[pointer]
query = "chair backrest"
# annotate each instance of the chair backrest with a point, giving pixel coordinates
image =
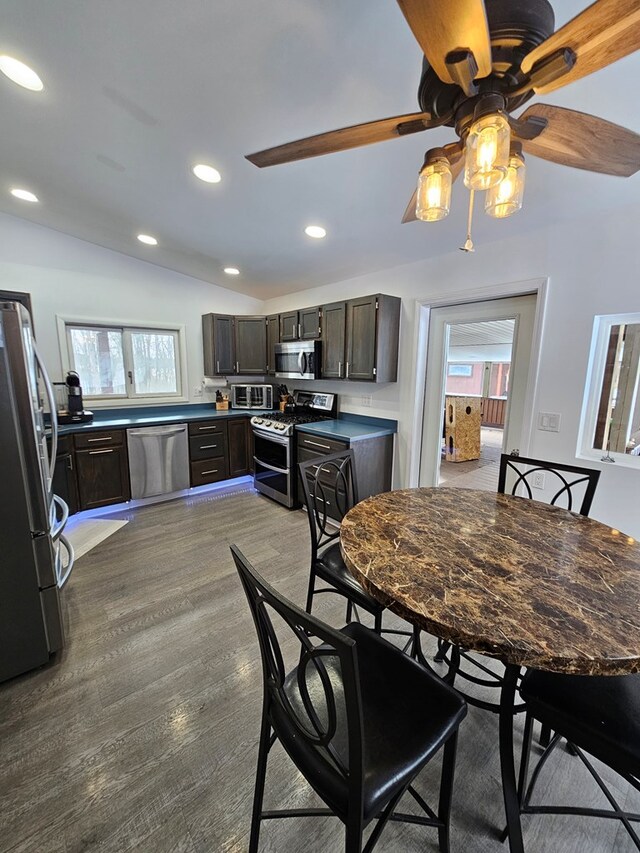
(330, 490)
(575, 486)
(318, 702)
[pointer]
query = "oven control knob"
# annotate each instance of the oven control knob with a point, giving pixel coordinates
(258, 421)
(280, 426)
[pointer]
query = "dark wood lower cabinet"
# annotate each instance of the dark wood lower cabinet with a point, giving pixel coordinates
(239, 443)
(103, 476)
(65, 484)
(373, 463)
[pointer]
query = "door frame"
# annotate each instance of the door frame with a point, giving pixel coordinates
(539, 287)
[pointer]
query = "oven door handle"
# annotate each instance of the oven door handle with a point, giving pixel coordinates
(270, 436)
(270, 467)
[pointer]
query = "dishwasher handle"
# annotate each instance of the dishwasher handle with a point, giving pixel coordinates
(146, 432)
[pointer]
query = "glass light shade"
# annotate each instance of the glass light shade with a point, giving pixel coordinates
(487, 152)
(434, 191)
(506, 197)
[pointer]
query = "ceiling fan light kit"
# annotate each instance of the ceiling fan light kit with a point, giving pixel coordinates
(483, 59)
(506, 197)
(433, 198)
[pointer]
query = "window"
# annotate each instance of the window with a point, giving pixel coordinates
(459, 369)
(611, 415)
(125, 362)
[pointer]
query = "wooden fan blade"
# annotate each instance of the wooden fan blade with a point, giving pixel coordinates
(454, 152)
(441, 27)
(603, 33)
(583, 141)
(342, 139)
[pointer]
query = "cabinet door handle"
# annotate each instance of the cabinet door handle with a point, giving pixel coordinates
(237, 367)
(96, 452)
(211, 471)
(70, 462)
(217, 367)
(299, 330)
(346, 375)
(106, 438)
(207, 446)
(207, 427)
(339, 370)
(316, 444)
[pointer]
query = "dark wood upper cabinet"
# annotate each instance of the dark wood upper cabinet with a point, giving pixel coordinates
(334, 325)
(251, 345)
(372, 336)
(303, 325)
(289, 326)
(273, 337)
(309, 324)
(219, 345)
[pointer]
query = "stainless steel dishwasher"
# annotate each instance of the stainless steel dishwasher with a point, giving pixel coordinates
(158, 460)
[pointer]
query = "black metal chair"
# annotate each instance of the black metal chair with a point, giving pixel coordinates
(570, 486)
(597, 714)
(330, 491)
(357, 717)
(575, 486)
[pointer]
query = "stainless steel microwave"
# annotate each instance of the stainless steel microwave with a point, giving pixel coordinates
(298, 360)
(252, 396)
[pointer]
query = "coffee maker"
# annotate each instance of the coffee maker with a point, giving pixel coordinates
(70, 406)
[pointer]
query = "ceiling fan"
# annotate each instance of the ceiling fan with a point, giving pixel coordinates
(483, 59)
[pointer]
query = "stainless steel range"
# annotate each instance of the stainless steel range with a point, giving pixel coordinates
(274, 447)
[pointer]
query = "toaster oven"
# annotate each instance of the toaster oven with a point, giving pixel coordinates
(252, 396)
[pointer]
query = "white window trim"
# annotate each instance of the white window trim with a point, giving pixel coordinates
(63, 320)
(593, 385)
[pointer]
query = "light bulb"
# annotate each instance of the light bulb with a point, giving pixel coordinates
(434, 187)
(487, 152)
(506, 197)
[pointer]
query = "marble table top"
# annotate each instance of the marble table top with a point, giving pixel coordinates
(516, 579)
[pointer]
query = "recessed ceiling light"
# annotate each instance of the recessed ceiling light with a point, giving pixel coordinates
(232, 271)
(147, 239)
(315, 231)
(207, 173)
(20, 73)
(23, 195)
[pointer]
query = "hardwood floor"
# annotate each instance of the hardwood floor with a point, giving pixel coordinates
(143, 734)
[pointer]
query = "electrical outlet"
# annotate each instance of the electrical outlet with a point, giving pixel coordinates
(537, 481)
(366, 399)
(197, 391)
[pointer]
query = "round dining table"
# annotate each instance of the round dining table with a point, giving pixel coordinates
(529, 584)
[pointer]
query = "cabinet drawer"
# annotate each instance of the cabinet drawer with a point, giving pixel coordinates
(304, 455)
(98, 439)
(208, 471)
(319, 444)
(207, 446)
(208, 427)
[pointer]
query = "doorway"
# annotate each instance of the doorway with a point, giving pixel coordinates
(478, 362)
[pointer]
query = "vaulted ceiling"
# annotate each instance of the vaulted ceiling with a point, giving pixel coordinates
(137, 92)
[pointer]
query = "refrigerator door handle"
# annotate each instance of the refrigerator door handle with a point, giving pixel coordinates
(52, 411)
(58, 524)
(62, 573)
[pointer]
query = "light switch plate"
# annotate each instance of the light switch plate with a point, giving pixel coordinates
(549, 421)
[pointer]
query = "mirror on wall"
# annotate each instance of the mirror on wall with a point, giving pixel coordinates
(617, 416)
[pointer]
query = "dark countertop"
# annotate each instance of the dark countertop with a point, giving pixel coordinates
(348, 427)
(519, 580)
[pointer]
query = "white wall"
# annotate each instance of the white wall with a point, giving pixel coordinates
(592, 267)
(71, 277)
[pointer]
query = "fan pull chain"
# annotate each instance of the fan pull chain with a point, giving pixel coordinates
(468, 243)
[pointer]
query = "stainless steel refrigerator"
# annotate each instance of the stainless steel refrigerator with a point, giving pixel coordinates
(35, 557)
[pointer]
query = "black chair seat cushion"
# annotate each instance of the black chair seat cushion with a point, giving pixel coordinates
(408, 713)
(600, 714)
(331, 568)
